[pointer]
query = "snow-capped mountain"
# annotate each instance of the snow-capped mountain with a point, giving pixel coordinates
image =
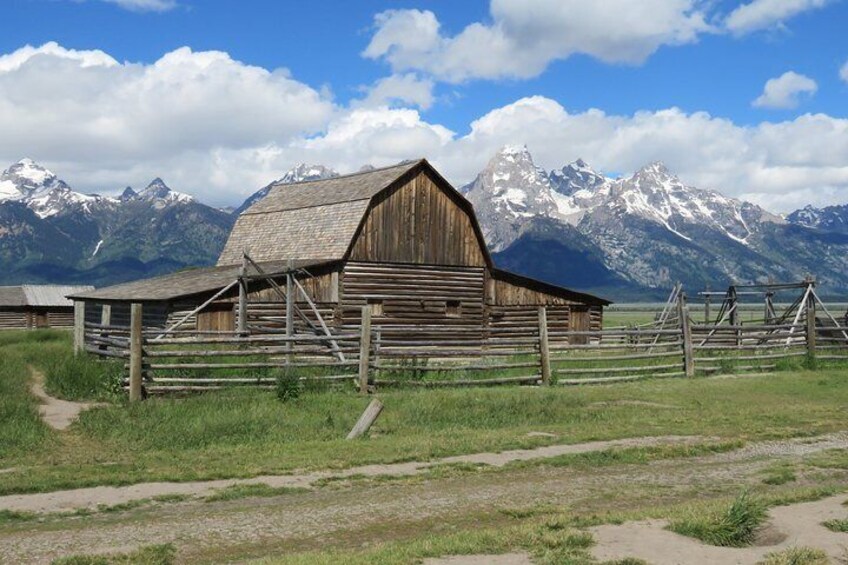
(829, 218)
(577, 176)
(26, 179)
(649, 228)
(42, 191)
(49, 232)
(300, 173)
(508, 191)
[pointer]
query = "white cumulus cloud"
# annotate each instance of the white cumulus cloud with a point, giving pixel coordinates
(400, 89)
(763, 14)
(843, 72)
(527, 35)
(220, 129)
(785, 91)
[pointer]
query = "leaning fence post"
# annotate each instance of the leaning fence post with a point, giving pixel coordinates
(686, 331)
(135, 351)
(364, 349)
(544, 350)
(79, 326)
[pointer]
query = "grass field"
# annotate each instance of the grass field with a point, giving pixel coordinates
(240, 432)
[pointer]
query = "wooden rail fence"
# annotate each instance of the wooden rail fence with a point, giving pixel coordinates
(157, 360)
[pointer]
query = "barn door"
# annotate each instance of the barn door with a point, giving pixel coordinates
(41, 320)
(217, 317)
(578, 321)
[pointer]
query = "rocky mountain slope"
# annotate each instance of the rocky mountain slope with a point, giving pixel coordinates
(829, 218)
(647, 230)
(50, 233)
(626, 238)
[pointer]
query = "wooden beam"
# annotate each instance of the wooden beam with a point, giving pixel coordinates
(242, 298)
(369, 416)
(544, 349)
(315, 311)
(364, 349)
(185, 318)
(686, 329)
(79, 326)
(136, 351)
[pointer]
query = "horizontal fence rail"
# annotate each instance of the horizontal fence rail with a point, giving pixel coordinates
(529, 350)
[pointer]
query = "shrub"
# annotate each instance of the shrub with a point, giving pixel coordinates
(288, 385)
(734, 527)
(796, 556)
(839, 526)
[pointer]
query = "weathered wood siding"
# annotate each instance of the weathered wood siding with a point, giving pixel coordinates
(218, 317)
(13, 319)
(421, 223)
(417, 303)
(504, 293)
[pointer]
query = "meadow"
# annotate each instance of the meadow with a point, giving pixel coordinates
(243, 432)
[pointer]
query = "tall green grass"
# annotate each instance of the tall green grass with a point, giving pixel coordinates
(735, 526)
(21, 428)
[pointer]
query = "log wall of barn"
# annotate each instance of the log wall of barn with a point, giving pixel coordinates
(13, 319)
(419, 222)
(413, 304)
(514, 311)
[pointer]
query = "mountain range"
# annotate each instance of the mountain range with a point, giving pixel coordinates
(625, 238)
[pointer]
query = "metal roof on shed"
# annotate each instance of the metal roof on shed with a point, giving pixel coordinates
(40, 295)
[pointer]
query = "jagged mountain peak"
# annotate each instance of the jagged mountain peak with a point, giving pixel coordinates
(25, 179)
(299, 173)
(161, 194)
(306, 172)
(829, 218)
(577, 176)
(656, 168)
(127, 194)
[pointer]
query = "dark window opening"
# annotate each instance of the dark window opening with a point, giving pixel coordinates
(453, 308)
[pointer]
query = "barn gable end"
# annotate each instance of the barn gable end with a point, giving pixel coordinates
(420, 221)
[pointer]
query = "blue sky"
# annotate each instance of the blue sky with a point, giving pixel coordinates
(676, 80)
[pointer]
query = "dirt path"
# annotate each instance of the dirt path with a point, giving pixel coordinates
(358, 514)
(63, 501)
(797, 525)
(56, 413)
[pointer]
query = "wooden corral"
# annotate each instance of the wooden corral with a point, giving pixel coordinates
(400, 240)
(37, 306)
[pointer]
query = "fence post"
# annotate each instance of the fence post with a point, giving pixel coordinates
(135, 351)
(364, 349)
(242, 298)
(686, 330)
(105, 320)
(811, 326)
(544, 350)
(79, 326)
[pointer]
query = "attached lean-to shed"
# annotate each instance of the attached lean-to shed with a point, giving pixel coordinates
(400, 239)
(38, 306)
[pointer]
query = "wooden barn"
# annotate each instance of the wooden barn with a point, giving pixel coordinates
(37, 306)
(399, 239)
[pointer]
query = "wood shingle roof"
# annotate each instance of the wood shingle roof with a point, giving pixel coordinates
(309, 220)
(185, 283)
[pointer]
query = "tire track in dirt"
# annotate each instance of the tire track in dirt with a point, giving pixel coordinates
(329, 515)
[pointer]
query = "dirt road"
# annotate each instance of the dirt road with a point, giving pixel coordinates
(351, 515)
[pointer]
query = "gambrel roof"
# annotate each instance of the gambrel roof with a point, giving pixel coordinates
(320, 218)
